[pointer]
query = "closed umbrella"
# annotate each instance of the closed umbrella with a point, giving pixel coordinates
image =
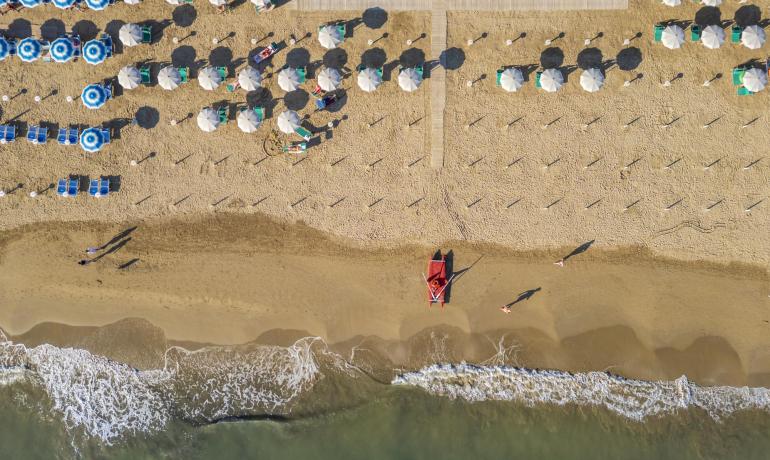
(62, 50)
(208, 120)
(98, 5)
(329, 79)
(30, 3)
(64, 4)
(753, 37)
(209, 78)
(330, 36)
(5, 48)
(248, 121)
(511, 80)
(672, 2)
(592, 80)
(369, 79)
(94, 52)
(754, 80)
(250, 79)
(29, 49)
(130, 34)
(129, 77)
(288, 121)
(169, 78)
(288, 79)
(94, 96)
(712, 37)
(551, 80)
(409, 79)
(92, 139)
(672, 37)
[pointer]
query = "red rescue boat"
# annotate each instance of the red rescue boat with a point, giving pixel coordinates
(437, 280)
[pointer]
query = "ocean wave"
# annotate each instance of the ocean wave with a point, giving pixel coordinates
(634, 399)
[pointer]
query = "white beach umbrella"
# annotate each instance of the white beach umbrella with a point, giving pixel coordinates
(250, 79)
(753, 37)
(174, 2)
(132, 2)
(592, 80)
(672, 37)
(288, 79)
(209, 78)
(712, 37)
(218, 2)
(129, 77)
(754, 80)
(329, 79)
(409, 79)
(551, 80)
(130, 34)
(330, 36)
(169, 78)
(511, 79)
(248, 121)
(208, 120)
(369, 79)
(711, 2)
(288, 121)
(672, 2)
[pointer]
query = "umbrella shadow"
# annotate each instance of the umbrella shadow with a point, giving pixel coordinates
(551, 58)
(629, 58)
(186, 56)
(336, 58)
(147, 117)
(298, 57)
(221, 56)
(374, 18)
(748, 15)
(113, 30)
(374, 58)
(452, 58)
(262, 98)
(157, 28)
(52, 29)
(296, 100)
(708, 15)
(184, 15)
(87, 30)
(412, 57)
(20, 28)
(589, 58)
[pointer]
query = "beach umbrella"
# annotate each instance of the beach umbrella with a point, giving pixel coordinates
(218, 3)
(288, 121)
(30, 3)
(169, 78)
(129, 77)
(208, 120)
(174, 2)
(130, 34)
(29, 49)
(672, 2)
(209, 78)
(551, 80)
(64, 4)
(329, 79)
(330, 36)
(94, 96)
(672, 37)
(592, 80)
(98, 5)
(248, 121)
(92, 139)
(250, 79)
(753, 37)
(5, 48)
(288, 79)
(132, 2)
(62, 49)
(511, 79)
(369, 79)
(409, 79)
(754, 80)
(94, 52)
(714, 3)
(712, 37)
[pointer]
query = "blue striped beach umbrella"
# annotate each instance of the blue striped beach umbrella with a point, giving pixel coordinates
(91, 139)
(94, 96)
(29, 49)
(5, 48)
(64, 4)
(94, 52)
(98, 5)
(30, 3)
(62, 50)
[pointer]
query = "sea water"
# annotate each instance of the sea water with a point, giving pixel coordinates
(303, 401)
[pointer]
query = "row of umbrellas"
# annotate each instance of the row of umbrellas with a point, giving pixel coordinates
(248, 121)
(551, 80)
(62, 49)
(713, 36)
(96, 5)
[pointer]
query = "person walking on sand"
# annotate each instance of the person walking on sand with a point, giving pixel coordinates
(505, 309)
(91, 251)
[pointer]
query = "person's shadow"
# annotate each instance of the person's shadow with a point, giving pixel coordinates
(526, 295)
(579, 250)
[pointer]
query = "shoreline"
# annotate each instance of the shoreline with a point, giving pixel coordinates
(624, 310)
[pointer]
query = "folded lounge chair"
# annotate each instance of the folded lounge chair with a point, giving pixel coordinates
(37, 135)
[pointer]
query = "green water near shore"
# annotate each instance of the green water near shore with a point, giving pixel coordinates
(405, 423)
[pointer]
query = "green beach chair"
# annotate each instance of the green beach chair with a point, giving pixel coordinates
(499, 74)
(144, 73)
(222, 112)
(658, 33)
(695, 31)
(146, 35)
(303, 133)
(184, 74)
(302, 73)
(742, 91)
(735, 34)
(738, 75)
(222, 71)
(342, 30)
(538, 74)
(379, 71)
(420, 69)
(260, 111)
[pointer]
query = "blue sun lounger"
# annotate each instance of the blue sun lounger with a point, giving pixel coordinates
(93, 187)
(107, 40)
(106, 135)
(68, 136)
(68, 187)
(99, 187)
(37, 135)
(61, 189)
(7, 134)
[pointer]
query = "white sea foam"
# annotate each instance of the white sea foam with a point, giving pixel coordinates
(634, 399)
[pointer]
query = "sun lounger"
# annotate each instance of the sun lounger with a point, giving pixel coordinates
(68, 136)
(222, 112)
(302, 73)
(107, 40)
(61, 188)
(538, 74)
(658, 32)
(144, 73)
(184, 74)
(303, 133)
(420, 69)
(695, 31)
(738, 73)
(735, 33)
(743, 91)
(73, 186)
(146, 35)
(7, 134)
(108, 89)
(93, 187)
(260, 111)
(324, 102)
(106, 135)
(295, 147)
(104, 186)
(222, 71)
(37, 135)
(499, 74)
(266, 53)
